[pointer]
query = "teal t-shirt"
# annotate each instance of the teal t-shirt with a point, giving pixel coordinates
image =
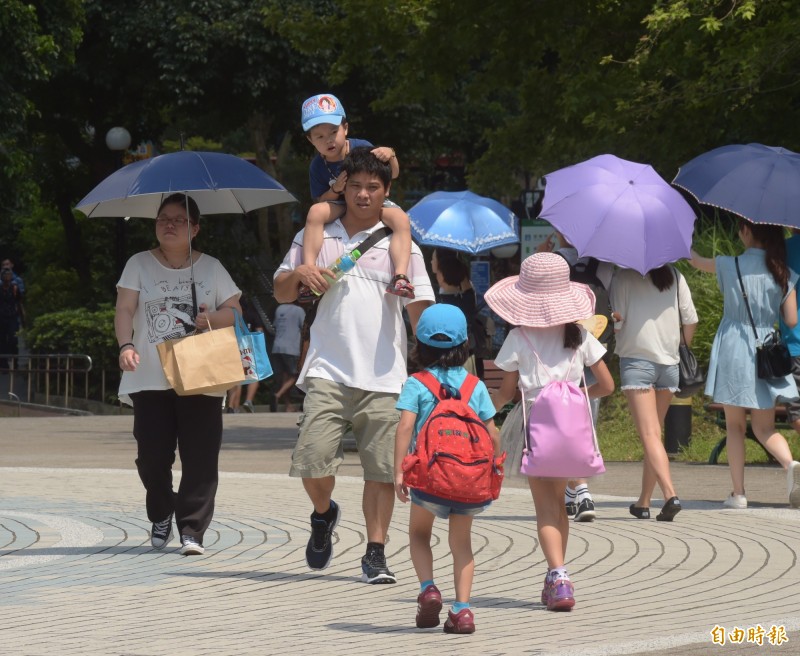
(416, 398)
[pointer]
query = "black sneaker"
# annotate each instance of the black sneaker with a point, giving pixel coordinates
(319, 549)
(161, 533)
(585, 511)
(571, 507)
(375, 570)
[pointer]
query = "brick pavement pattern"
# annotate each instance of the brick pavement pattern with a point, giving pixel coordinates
(78, 575)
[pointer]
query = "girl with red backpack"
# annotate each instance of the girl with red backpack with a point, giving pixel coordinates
(545, 357)
(446, 447)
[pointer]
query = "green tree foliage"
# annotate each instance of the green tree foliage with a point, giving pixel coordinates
(206, 69)
(39, 39)
(512, 87)
(563, 81)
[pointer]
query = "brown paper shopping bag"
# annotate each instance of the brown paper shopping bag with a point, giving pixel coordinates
(202, 363)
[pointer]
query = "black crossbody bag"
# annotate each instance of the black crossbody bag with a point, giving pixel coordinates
(691, 376)
(772, 355)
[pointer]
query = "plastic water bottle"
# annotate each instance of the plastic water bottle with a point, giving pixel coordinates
(341, 266)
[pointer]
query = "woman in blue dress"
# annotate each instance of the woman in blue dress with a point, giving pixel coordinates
(732, 379)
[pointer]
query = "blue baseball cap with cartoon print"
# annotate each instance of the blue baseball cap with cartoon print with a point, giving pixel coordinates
(322, 108)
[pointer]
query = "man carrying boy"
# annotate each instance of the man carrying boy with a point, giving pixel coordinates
(325, 125)
(355, 365)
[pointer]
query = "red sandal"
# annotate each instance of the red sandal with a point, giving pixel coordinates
(401, 286)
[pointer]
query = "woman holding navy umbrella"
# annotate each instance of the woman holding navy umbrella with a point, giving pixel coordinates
(155, 302)
(770, 286)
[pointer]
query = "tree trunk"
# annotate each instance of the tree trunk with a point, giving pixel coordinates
(278, 240)
(72, 236)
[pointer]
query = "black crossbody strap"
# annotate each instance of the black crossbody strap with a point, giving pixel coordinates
(374, 238)
(744, 295)
(678, 297)
(363, 247)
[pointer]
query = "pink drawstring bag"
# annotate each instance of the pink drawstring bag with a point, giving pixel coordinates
(560, 440)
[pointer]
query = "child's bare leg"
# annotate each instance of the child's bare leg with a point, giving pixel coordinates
(460, 539)
(399, 250)
(420, 528)
(318, 216)
(552, 523)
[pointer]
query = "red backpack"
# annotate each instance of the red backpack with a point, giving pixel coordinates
(454, 454)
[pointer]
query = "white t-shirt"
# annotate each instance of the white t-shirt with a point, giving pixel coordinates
(358, 338)
(650, 328)
(165, 306)
(288, 328)
(516, 355)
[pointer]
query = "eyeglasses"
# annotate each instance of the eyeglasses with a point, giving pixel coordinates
(164, 220)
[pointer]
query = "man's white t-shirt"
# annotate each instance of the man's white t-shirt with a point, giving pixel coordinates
(516, 355)
(165, 308)
(358, 338)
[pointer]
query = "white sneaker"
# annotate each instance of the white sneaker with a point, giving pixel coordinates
(738, 501)
(191, 547)
(793, 480)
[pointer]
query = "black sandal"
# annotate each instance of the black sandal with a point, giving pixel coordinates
(671, 508)
(639, 512)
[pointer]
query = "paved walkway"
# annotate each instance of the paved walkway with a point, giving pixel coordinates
(78, 576)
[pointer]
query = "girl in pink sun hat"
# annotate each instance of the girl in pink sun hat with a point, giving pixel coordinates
(546, 345)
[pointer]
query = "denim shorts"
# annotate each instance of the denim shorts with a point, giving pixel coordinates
(638, 373)
(443, 508)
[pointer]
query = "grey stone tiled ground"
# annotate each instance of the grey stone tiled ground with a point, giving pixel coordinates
(78, 576)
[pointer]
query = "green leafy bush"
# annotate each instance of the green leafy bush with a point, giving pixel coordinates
(77, 331)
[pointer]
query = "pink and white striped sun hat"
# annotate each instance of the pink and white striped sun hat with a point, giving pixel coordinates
(542, 295)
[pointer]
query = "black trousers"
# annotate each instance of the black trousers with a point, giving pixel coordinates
(162, 422)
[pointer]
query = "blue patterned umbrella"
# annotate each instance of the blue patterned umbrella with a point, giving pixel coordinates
(463, 221)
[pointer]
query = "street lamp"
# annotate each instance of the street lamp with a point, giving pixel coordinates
(118, 141)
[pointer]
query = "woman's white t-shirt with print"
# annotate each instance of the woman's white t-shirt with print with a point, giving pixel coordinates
(164, 310)
(516, 355)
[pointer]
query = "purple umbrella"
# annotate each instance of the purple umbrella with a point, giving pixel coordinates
(619, 211)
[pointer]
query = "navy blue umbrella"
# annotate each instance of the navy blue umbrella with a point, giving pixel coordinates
(759, 183)
(219, 183)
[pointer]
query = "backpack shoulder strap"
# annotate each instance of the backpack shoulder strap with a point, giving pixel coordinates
(542, 364)
(430, 382)
(468, 387)
(373, 239)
